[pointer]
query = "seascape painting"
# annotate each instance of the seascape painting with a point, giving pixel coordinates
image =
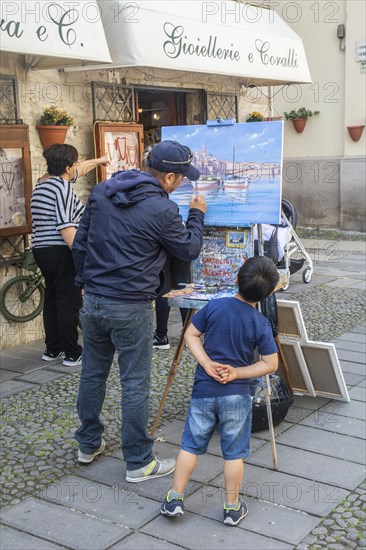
(241, 171)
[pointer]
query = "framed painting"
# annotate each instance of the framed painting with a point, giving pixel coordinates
(236, 239)
(297, 369)
(291, 324)
(240, 169)
(15, 180)
(124, 143)
(325, 371)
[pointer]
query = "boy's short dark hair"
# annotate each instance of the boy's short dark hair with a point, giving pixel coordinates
(59, 157)
(257, 278)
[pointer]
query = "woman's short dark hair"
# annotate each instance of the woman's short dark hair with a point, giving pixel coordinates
(59, 157)
(257, 278)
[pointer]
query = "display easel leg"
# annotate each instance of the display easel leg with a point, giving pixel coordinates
(270, 421)
(267, 391)
(284, 362)
(173, 370)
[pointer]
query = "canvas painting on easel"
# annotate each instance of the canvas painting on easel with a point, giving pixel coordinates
(240, 166)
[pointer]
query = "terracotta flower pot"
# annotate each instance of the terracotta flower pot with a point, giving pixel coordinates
(49, 135)
(355, 132)
(299, 124)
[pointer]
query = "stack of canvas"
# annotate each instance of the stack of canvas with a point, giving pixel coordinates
(313, 367)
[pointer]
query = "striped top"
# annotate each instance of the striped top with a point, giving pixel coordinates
(54, 206)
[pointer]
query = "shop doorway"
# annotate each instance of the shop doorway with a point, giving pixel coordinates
(157, 107)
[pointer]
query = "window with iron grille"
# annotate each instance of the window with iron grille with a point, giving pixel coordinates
(222, 105)
(9, 104)
(113, 102)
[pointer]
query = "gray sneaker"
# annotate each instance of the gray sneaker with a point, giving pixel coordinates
(86, 459)
(158, 467)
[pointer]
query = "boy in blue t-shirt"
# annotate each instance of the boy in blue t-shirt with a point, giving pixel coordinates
(233, 328)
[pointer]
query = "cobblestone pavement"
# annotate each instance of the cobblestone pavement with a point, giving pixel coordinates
(38, 425)
(345, 527)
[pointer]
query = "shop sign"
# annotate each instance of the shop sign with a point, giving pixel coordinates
(183, 35)
(62, 29)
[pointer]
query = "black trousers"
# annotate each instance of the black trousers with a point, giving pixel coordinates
(62, 299)
(175, 271)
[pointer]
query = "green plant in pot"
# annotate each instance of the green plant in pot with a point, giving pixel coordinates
(299, 117)
(54, 125)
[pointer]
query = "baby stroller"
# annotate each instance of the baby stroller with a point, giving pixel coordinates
(283, 245)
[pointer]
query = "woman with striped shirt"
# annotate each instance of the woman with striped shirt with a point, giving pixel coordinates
(56, 212)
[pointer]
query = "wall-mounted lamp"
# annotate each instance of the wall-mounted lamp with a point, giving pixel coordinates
(341, 33)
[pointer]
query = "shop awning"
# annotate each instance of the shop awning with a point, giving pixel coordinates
(224, 38)
(54, 33)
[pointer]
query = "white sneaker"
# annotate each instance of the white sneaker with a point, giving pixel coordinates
(158, 467)
(86, 459)
(70, 362)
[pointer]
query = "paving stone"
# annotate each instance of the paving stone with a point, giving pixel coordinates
(17, 540)
(7, 375)
(311, 403)
(355, 368)
(48, 521)
(354, 409)
(123, 507)
(208, 467)
(328, 443)
(297, 413)
(66, 370)
(351, 345)
(310, 465)
(287, 490)
(352, 356)
(263, 518)
(309, 539)
(319, 531)
(40, 376)
(357, 393)
(113, 472)
(355, 336)
(20, 365)
(352, 379)
(11, 387)
(336, 423)
(139, 541)
(216, 534)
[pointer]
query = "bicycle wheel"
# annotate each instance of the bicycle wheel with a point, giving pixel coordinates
(13, 307)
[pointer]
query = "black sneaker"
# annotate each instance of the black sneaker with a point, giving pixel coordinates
(232, 517)
(160, 343)
(71, 361)
(49, 356)
(172, 508)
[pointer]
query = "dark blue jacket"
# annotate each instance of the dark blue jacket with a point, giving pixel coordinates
(125, 234)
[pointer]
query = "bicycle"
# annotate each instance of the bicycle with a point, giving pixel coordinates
(22, 298)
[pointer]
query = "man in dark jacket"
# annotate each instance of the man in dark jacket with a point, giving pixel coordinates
(127, 230)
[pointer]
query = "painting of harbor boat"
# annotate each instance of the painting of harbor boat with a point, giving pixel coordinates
(241, 171)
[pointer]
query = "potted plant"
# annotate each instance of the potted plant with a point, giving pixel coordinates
(255, 116)
(299, 118)
(54, 125)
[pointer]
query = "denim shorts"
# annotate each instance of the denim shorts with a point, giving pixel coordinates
(232, 414)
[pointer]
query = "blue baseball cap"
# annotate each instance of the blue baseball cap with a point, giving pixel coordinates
(171, 156)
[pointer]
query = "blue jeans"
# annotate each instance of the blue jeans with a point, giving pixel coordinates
(232, 413)
(126, 327)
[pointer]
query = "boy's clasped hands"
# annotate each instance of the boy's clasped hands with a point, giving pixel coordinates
(220, 372)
